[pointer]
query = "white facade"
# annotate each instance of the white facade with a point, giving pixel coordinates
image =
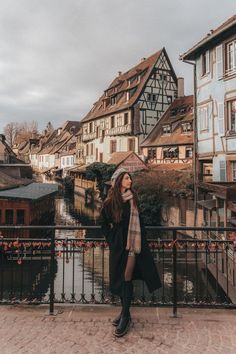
(46, 161)
(67, 161)
(216, 108)
(101, 139)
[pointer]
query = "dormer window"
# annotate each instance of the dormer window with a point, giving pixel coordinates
(113, 100)
(166, 129)
(186, 127)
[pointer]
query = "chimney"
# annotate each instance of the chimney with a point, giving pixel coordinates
(119, 73)
(143, 59)
(2, 138)
(180, 87)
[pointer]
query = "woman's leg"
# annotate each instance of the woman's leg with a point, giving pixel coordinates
(128, 285)
(123, 325)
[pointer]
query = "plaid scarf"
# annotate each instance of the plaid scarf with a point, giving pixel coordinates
(134, 230)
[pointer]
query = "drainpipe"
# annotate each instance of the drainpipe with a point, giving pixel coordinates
(195, 147)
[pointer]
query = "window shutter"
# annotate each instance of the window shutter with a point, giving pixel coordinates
(207, 61)
(221, 127)
(219, 62)
(222, 171)
(199, 67)
(209, 116)
(199, 119)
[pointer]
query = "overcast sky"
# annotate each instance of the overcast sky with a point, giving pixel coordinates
(58, 56)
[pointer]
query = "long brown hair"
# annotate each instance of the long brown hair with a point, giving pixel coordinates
(114, 198)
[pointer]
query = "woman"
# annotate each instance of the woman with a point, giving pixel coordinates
(130, 256)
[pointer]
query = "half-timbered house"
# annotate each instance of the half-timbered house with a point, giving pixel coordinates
(129, 108)
(171, 140)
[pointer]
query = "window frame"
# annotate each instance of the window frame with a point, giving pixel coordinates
(166, 131)
(229, 115)
(233, 170)
(230, 70)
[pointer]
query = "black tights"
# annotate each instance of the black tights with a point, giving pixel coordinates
(128, 286)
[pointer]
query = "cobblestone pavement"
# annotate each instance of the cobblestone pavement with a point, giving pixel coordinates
(87, 329)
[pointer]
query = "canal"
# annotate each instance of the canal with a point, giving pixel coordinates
(31, 279)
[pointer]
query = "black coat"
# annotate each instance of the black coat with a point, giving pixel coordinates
(116, 236)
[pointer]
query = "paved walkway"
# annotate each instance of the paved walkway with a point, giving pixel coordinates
(87, 329)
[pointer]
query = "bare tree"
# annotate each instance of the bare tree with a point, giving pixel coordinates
(10, 132)
(16, 133)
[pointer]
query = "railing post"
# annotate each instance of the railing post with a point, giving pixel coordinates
(174, 254)
(52, 261)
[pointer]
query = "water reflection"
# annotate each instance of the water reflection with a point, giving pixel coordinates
(82, 274)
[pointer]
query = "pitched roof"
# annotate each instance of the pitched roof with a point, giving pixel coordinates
(171, 166)
(33, 191)
(180, 111)
(7, 181)
(55, 142)
(118, 157)
(219, 34)
(132, 80)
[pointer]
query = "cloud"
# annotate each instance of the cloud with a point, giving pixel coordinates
(58, 56)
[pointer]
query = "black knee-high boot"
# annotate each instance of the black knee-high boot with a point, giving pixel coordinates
(116, 321)
(125, 319)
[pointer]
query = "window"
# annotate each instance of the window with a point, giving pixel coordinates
(131, 144)
(205, 63)
(9, 216)
(20, 217)
(203, 115)
(163, 77)
(169, 99)
(90, 127)
(189, 153)
(119, 121)
(152, 97)
(102, 136)
(233, 164)
(172, 152)
(67, 161)
(222, 171)
(112, 146)
(113, 100)
(87, 149)
(186, 127)
(152, 154)
(166, 129)
(91, 148)
(232, 115)
(112, 121)
(126, 119)
(231, 56)
(97, 132)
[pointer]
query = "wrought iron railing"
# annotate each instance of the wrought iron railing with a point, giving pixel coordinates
(54, 269)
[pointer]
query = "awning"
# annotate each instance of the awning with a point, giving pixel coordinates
(208, 204)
